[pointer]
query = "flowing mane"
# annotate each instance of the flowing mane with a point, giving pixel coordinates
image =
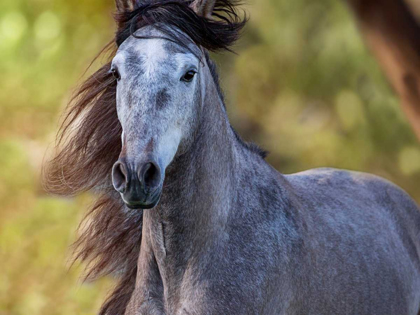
(89, 142)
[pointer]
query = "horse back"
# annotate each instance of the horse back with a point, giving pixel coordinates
(361, 237)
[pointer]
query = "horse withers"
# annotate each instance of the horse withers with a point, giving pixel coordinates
(198, 222)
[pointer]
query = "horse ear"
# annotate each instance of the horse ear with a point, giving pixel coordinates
(125, 5)
(203, 8)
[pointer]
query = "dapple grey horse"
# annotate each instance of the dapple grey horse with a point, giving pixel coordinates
(231, 235)
(223, 232)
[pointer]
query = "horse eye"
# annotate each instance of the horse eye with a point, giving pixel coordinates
(188, 76)
(115, 73)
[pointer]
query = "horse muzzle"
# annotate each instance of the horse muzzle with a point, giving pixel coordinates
(140, 184)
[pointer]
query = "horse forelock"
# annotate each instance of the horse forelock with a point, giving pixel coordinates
(212, 34)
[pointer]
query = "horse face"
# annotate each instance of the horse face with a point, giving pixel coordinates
(158, 97)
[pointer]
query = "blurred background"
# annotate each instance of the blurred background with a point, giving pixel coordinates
(303, 86)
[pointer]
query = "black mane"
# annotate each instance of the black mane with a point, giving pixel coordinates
(212, 34)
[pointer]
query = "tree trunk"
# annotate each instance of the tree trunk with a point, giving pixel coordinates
(393, 34)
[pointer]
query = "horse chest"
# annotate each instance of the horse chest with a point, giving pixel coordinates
(209, 284)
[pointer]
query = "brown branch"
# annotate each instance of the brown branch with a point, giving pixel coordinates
(393, 34)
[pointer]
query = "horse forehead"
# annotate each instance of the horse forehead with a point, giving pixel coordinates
(155, 48)
(149, 54)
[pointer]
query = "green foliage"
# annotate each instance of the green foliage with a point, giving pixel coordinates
(303, 86)
(45, 46)
(311, 93)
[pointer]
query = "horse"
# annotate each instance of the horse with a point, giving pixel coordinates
(190, 218)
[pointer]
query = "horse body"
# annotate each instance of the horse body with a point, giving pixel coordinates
(201, 223)
(282, 247)
(232, 235)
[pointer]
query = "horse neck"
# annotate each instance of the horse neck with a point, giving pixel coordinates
(200, 182)
(199, 197)
(199, 188)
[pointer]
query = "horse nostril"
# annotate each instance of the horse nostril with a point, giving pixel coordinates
(150, 175)
(119, 177)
